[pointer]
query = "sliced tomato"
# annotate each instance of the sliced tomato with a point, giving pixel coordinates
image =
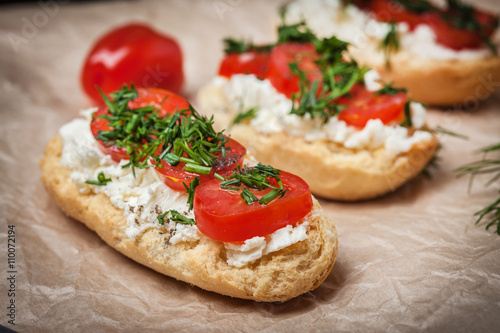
(279, 72)
(165, 101)
(391, 11)
(175, 176)
(450, 36)
(446, 33)
(224, 216)
(365, 105)
(252, 62)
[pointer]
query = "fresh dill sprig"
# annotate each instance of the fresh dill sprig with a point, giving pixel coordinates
(176, 217)
(408, 122)
(232, 45)
(494, 210)
(390, 43)
(338, 77)
(143, 131)
(244, 115)
(419, 7)
(434, 161)
(190, 191)
(310, 101)
(101, 180)
(255, 178)
(298, 32)
(463, 16)
(389, 89)
(442, 130)
(485, 166)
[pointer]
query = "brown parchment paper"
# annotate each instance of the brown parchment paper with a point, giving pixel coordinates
(412, 260)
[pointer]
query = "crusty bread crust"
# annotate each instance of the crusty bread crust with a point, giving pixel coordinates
(331, 170)
(278, 276)
(440, 82)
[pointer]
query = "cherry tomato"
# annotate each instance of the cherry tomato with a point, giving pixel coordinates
(165, 101)
(279, 72)
(245, 63)
(387, 11)
(224, 216)
(175, 176)
(457, 39)
(446, 34)
(365, 105)
(132, 53)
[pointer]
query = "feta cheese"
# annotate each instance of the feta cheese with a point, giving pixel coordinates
(252, 249)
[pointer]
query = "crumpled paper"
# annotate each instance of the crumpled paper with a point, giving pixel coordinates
(412, 260)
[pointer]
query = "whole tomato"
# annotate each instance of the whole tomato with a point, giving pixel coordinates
(133, 53)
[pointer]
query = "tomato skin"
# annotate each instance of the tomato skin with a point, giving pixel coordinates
(458, 39)
(132, 53)
(165, 101)
(446, 34)
(452, 37)
(387, 11)
(223, 215)
(279, 72)
(366, 105)
(175, 176)
(251, 62)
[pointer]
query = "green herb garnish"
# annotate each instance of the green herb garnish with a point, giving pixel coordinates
(434, 161)
(390, 43)
(101, 180)
(232, 45)
(143, 131)
(176, 217)
(190, 191)
(299, 33)
(441, 130)
(338, 77)
(485, 166)
(418, 6)
(407, 122)
(389, 89)
(255, 178)
(244, 115)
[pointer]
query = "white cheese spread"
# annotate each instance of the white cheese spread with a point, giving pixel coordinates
(330, 17)
(143, 197)
(252, 249)
(246, 91)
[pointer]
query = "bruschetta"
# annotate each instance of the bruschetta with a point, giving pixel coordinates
(154, 180)
(304, 105)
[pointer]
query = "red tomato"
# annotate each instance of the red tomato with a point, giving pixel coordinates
(165, 101)
(447, 34)
(387, 11)
(457, 39)
(366, 105)
(132, 53)
(245, 63)
(175, 176)
(224, 216)
(279, 72)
